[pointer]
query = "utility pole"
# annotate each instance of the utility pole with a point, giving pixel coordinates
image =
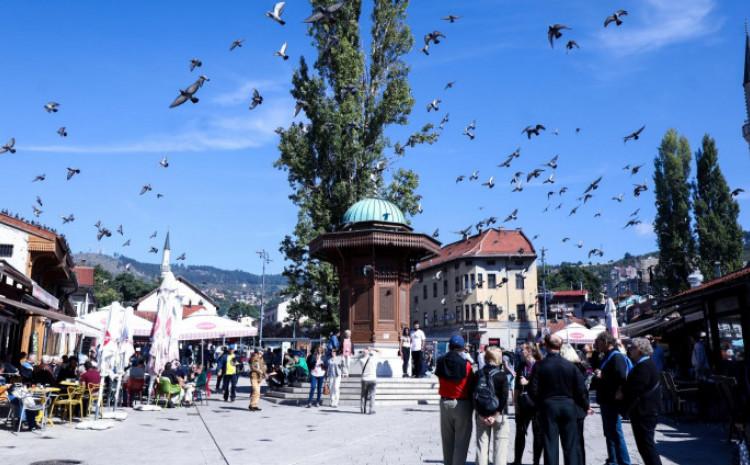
(544, 284)
(264, 260)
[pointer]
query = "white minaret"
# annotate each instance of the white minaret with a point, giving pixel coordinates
(746, 85)
(166, 252)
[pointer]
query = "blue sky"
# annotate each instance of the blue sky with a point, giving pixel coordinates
(114, 67)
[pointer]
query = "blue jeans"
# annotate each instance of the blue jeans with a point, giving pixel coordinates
(316, 382)
(617, 450)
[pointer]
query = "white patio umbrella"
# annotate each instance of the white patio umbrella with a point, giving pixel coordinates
(164, 334)
(610, 313)
(78, 327)
(138, 326)
(205, 327)
(575, 333)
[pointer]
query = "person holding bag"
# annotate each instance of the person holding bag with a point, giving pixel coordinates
(490, 402)
(525, 408)
(333, 377)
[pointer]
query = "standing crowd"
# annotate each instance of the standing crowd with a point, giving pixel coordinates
(549, 385)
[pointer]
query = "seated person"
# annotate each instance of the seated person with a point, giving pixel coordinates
(171, 373)
(91, 375)
(26, 366)
(68, 370)
(17, 395)
(42, 373)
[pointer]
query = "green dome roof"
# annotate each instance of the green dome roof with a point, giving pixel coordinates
(379, 210)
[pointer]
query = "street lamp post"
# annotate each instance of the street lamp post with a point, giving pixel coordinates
(264, 260)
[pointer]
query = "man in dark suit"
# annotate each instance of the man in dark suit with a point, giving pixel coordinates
(557, 386)
(610, 377)
(642, 396)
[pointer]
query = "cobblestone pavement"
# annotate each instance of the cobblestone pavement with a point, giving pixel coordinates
(284, 435)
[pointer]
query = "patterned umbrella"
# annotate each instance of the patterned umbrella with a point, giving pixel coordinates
(164, 334)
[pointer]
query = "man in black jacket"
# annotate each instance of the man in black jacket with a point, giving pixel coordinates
(557, 386)
(642, 396)
(611, 376)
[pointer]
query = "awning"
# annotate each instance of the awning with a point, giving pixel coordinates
(32, 310)
(205, 327)
(77, 327)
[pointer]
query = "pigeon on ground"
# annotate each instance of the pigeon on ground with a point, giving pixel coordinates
(68, 219)
(451, 18)
(737, 191)
(52, 107)
(164, 162)
(275, 14)
(236, 43)
(145, 188)
(39, 177)
(634, 135)
(615, 18)
(257, 100)
(571, 45)
(554, 32)
(9, 146)
(72, 172)
(434, 105)
(189, 93)
(535, 130)
(282, 52)
(62, 132)
(37, 211)
(324, 13)
(639, 188)
(195, 63)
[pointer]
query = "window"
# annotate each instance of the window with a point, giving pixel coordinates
(456, 265)
(480, 280)
(434, 316)
(519, 281)
(6, 250)
(491, 280)
(434, 289)
(416, 299)
(419, 277)
(466, 281)
(458, 313)
(426, 320)
(445, 314)
(445, 287)
(457, 284)
(466, 310)
(424, 292)
(481, 311)
(521, 312)
(474, 312)
(494, 313)
(473, 280)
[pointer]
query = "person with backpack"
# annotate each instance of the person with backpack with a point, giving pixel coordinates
(490, 400)
(611, 377)
(456, 386)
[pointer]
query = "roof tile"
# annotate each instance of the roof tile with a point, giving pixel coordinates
(490, 243)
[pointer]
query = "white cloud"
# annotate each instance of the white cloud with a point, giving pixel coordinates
(255, 129)
(659, 23)
(644, 229)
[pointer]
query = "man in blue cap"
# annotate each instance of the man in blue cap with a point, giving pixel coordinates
(455, 375)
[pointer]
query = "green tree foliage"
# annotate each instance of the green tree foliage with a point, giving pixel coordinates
(239, 309)
(570, 276)
(350, 97)
(672, 223)
(125, 287)
(720, 237)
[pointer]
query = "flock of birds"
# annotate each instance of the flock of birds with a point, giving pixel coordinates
(544, 174)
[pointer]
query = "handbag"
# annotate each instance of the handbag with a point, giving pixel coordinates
(326, 389)
(526, 402)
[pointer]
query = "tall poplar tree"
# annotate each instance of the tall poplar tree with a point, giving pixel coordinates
(349, 97)
(672, 223)
(718, 232)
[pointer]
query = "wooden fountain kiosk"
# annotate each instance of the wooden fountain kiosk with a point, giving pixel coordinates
(374, 251)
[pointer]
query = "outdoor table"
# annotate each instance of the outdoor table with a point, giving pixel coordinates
(69, 383)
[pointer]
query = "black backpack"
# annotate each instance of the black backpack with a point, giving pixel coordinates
(485, 400)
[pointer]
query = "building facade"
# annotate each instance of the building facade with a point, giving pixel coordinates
(484, 287)
(83, 299)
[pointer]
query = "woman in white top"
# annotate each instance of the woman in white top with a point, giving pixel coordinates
(316, 362)
(405, 350)
(333, 376)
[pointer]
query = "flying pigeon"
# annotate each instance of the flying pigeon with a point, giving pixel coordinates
(257, 99)
(298, 106)
(9, 146)
(37, 211)
(562, 190)
(324, 13)
(52, 107)
(639, 188)
(474, 175)
(164, 163)
(40, 177)
(120, 230)
(127, 267)
(597, 252)
(433, 37)
(550, 194)
(571, 45)
(635, 213)
(436, 233)
(632, 222)
(594, 185)
(236, 43)
(275, 15)
(68, 219)
(565, 239)
(451, 18)
(554, 32)
(534, 174)
(181, 257)
(103, 232)
(145, 188)
(597, 214)
(126, 243)
(434, 105)
(153, 250)
(449, 85)
(512, 217)
(550, 179)
(553, 163)
(634, 170)
(444, 121)
(282, 52)
(39, 201)
(189, 93)
(634, 135)
(574, 210)
(579, 244)
(153, 235)
(535, 130)
(195, 63)
(72, 172)
(159, 195)
(618, 198)
(460, 178)
(426, 49)
(737, 191)
(62, 132)
(615, 18)
(490, 182)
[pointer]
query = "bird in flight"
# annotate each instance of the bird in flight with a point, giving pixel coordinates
(553, 163)
(554, 32)
(451, 18)
(571, 45)
(189, 93)
(9, 146)
(103, 232)
(324, 13)
(282, 52)
(737, 191)
(635, 213)
(256, 100)
(635, 135)
(126, 243)
(72, 172)
(550, 179)
(618, 197)
(635, 169)
(594, 185)
(534, 174)
(52, 107)
(596, 252)
(37, 211)
(195, 63)
(145, 188)
(460, 178)
(639, 188)
(153, 235)
(39, 177)
(615, 17)
(153, 250)
(68, 219)
(490, 182)
(533, 130)
(449, 85)
(181, 257)
(434, 105)
(275, 14)
(39, 201)
(512, 217)
(433, 37)
(474, 175)
(164, 163)
(120, 230)
(633, 222)
(236, 43)
(62, 132)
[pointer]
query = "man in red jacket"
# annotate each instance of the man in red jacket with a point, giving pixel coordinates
(455, 375)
